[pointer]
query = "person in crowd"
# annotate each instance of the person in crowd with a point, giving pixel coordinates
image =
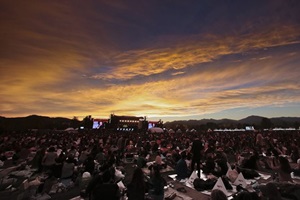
(49, 159)
(141, 160)
(270, 192)
(210, 164)
(68, 168)
(112, 158)
(297, 170)
(218, 195)
(157, 183)
(83, 155)
(136, 189)
(102, 186)
(89, 165)
(252, 162)
(100, 156)
(83, 180)
(38, 159)
(259, 140)
(72, 152)
(181, 168)
(57, 167)
(196, 150)
(245, 195)
(295, 153)
(158, 159)
(283, 170)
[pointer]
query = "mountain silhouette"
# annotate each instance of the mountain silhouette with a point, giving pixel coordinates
(60, 123)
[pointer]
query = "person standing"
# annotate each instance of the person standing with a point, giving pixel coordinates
(196, 150)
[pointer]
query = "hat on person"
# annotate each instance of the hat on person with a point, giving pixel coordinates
(86, 175)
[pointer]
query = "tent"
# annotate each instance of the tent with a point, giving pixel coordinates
(156, 130)
(71, 130)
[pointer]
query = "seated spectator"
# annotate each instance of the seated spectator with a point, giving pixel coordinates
(57, 168)
(284, 169)
(85, 179)
(68, 168)
(141, 160)
(100, 157)
(252, 162)
(49, 159)
(83, 156)
(72, 152)
(158, 159)
(181, 168)
(295, 153)
(218, 195)
(210, 165)
(106, 189)
(297, 170)
(89, 165)
(157, 183)
(244, 195)
(270, 192)
(136, 189)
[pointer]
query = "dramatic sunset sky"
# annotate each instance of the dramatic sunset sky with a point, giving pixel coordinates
(164, 59)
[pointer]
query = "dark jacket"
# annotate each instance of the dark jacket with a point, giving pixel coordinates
(106, 191)
(135, 193)
(181, 169)
(196, 149)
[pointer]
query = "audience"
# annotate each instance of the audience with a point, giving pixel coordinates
(94, 152)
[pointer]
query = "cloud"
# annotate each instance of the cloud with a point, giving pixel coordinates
(62, 59)
(195, 51)
(198, 92)
(177, 73)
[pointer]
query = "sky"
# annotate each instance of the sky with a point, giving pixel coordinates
(163, 59)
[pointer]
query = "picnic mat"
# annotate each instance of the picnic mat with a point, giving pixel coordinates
(163, 170)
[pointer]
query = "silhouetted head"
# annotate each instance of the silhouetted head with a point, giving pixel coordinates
(218, 195)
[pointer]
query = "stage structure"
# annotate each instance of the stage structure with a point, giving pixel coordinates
(99, 123)
(125, 123)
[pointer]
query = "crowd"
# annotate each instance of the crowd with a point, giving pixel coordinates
(95, 161)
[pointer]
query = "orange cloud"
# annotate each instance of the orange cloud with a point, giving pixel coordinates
(58, 61)
(146, 62)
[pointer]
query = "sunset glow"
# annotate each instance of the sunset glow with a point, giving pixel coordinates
(161, 59)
